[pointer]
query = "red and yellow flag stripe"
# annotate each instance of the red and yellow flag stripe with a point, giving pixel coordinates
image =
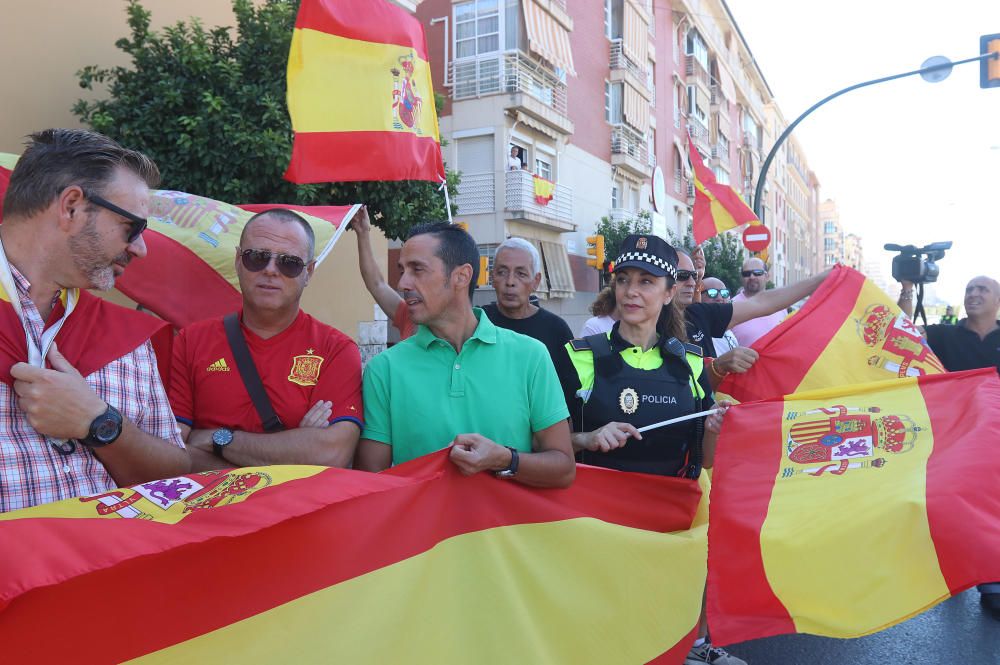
(844, 511)
(717, 207)
(419, 564)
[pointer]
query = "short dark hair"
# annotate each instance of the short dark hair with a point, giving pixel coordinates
(455, 248)
(55, 159)
(290, 216)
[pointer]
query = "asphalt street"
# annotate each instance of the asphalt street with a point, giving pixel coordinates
(956, 632)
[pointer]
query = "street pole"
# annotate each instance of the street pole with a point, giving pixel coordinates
(758, 204)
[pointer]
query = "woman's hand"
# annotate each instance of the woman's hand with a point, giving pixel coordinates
(713, 424)
(611, 436)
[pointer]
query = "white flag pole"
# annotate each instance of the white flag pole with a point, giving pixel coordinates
(447, 200)
(690, 416)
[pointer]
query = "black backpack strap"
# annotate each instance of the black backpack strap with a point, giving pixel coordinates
(248, 372)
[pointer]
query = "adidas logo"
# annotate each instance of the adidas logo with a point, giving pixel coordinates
(218, 366)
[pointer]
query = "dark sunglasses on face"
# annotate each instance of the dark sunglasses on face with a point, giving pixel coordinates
(256, 260)
(716, 293)
(685, 275)
(756, 273)
(137, 224)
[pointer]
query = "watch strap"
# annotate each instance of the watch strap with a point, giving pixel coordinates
(91, 440)
(511, 469)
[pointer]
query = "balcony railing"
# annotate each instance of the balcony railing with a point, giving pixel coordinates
(476, 194)
(695, 69)
(697, 131)
(619, 215)
(625, 141)
(508, 73)
(679, 185)
(621, 61)
(520, 196)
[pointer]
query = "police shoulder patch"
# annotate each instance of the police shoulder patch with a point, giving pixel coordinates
(694, 348)
(580, 344)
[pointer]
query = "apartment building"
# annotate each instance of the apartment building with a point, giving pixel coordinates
(599, 98)
(838, 245)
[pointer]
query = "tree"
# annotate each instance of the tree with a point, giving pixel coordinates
(210, 109)
(616, 230)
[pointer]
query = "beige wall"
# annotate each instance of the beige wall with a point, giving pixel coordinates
(43, 43)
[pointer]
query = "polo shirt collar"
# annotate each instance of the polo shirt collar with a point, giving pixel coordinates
(619, 343)
(485, 331)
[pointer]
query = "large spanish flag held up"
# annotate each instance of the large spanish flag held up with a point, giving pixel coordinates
(189, 271)
(360, 95)
(310, 565)
(717, 207)
(849, 331)
(845, 511)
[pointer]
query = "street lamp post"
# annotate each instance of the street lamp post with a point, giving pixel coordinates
(933, 70)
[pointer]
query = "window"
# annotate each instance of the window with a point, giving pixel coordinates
(543, 169)
(721, 175)
(693, 109)
(697, 47)
(613, 102)
(614, 18)
(651, 146)
(616, 201)
(829, 228)
(828, 244)
(477, 28)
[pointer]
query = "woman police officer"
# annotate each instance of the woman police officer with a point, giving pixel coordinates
(641, 373)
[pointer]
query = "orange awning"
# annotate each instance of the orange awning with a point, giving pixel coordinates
(636, 41)
(547, 38)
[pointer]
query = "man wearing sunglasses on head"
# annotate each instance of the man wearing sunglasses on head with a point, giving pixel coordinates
(82, 408)
(305, 407)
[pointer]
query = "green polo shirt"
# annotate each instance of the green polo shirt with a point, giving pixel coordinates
(419, 395)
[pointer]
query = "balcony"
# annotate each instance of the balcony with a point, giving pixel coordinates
(534, 88)
(476, 194)
(621, 62)
(520, 204)
(629, 150)
(695, 71)
(698, 132)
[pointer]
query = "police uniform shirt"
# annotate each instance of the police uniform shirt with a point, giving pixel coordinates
(959, 348)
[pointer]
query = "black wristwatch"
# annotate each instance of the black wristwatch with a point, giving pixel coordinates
(221, 438)
(105, 429)
(511, 469)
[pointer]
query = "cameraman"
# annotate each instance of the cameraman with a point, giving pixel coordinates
(972, 343)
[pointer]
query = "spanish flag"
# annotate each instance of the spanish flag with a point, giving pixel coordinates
(7, 162)
(849, 331)
(841, 512)
(360, 95)
(314, 565)
(543, 190)
(717, 207)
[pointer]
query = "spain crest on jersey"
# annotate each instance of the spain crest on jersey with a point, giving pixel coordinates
(305, 369)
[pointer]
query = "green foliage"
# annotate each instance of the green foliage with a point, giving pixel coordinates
(724, 256)
(615, 231)
(209, 107)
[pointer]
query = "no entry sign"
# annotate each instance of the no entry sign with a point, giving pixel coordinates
(756, 237)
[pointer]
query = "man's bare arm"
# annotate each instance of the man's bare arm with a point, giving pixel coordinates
(384, 295)
(768, 302)
(905, 301)
(373, 456)
(321, 446)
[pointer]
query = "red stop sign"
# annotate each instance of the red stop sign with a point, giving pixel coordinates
(756, 237)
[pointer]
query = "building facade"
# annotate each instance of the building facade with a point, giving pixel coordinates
(838, 245)
(599, 98)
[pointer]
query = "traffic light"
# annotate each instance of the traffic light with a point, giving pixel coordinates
(463, 225)
(484, 271)
(989, 68)
(595, 251)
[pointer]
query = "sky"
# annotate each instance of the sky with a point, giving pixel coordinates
(906, 161)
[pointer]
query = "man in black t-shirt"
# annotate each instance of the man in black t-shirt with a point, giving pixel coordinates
(972, 343)
(517, 272)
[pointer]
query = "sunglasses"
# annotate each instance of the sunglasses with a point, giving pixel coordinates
(136, 224)
(716, 293)
(756, 273)
(685, 275)
(256, 260)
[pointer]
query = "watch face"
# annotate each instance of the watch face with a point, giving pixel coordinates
(222, 437)
(107, 430)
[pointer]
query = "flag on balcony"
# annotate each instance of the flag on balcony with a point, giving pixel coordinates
(360, 95)
(844, 511)
(189, 272)
(7, 162)
(717, 207)
(849, 331)
(543, 189)
(309, 564)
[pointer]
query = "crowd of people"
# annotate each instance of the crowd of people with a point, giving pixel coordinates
(508, 387)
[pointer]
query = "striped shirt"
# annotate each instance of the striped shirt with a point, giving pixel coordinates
(32, 471)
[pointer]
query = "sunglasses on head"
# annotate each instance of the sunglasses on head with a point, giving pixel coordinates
(685, 275)
(136, 224)
(716, 293)
(756, 273)
(256, 260)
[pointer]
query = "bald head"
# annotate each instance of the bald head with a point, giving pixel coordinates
(756, 281)
(982, 299)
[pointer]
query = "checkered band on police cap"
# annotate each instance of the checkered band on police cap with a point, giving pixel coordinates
(643, 257)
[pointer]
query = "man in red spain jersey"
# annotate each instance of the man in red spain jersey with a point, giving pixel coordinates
(311, 372)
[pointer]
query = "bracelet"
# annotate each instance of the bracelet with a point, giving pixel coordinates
(906, 295)
(717, 372)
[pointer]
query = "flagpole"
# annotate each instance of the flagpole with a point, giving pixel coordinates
(944, 68)
(447, 199)
(681, 419)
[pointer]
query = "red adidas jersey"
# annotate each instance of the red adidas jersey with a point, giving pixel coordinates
(307, 362)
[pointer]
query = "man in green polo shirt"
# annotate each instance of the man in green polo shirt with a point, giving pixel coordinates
(489, 393)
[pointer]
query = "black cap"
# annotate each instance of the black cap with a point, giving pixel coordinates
(650, 253)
